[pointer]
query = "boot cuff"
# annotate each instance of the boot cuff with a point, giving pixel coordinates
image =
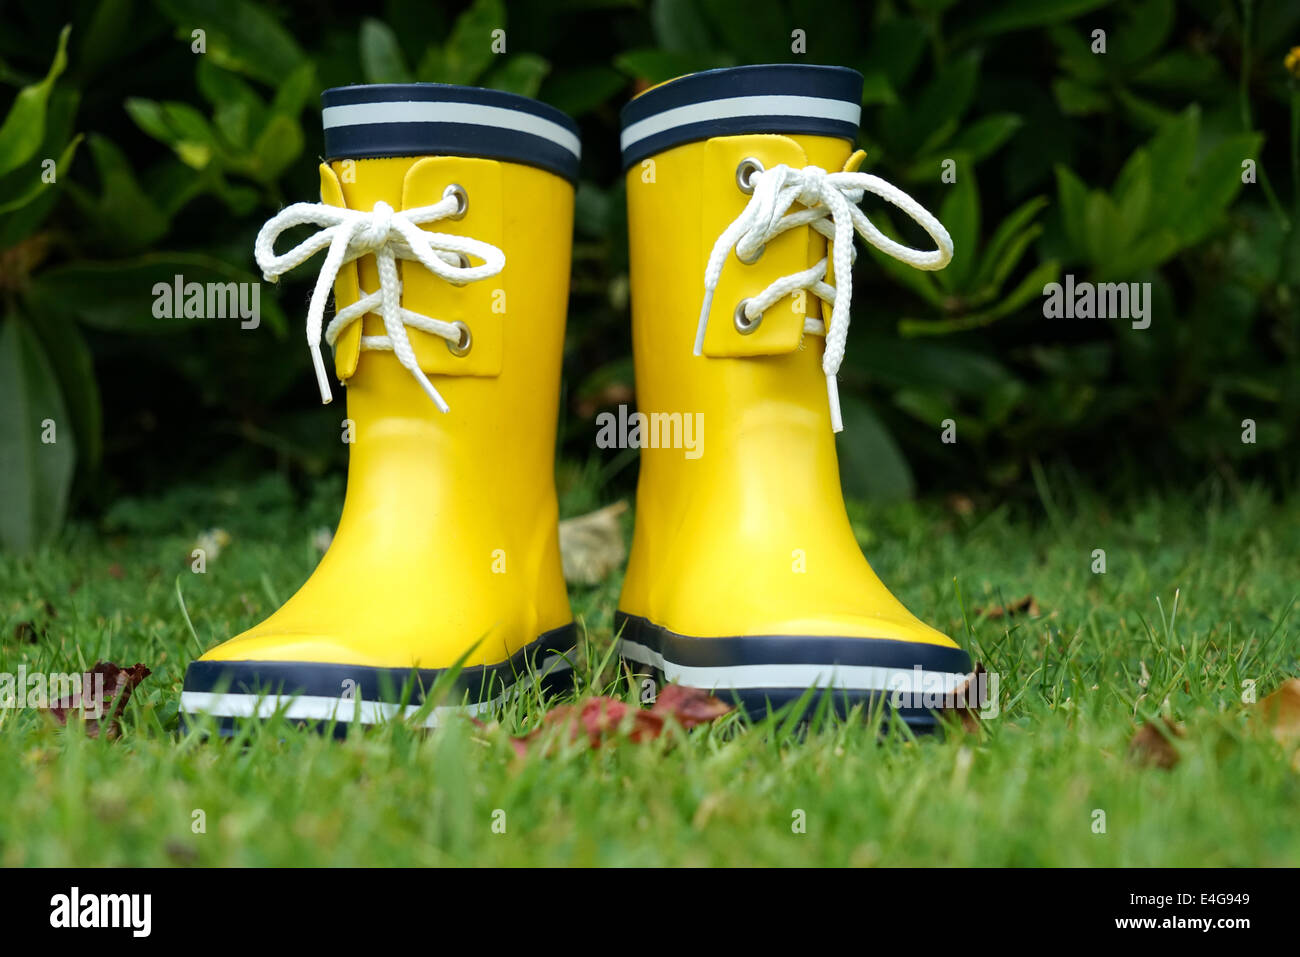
(438, 119)
(778, 98)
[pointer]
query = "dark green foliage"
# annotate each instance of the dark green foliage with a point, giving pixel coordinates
(1116, 166)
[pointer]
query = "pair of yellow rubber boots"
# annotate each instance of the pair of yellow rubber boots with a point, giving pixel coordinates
(446, 221)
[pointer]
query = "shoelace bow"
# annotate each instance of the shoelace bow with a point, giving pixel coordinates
(350, 234)
(823, 195)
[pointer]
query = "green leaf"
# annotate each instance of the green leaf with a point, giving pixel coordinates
(1008, 244)
(1077, 99)
(236, 110)
(38, 186)
(74, 367)
(122, 211)
(679, 26)
(279, 144)
(36, 475)
(1072, 197)
(120, 296)
(238, 35)
(468, 51)
(381, 55)
(1144, 26)
(1103, 230)
(754, 32)
(1213, 186)
(960, 213)
(872, 467)
(1009, 15)
(522, 73)
(22, 221)
(920, 364)
(983, 137)
(908, 127)
(1172, 152)
(1029, 288)
(876, 88)
(896, 48)
(655, 66)
(582, 89)
(1133, 192)
(24, 126)
(295, 90)
(178, 125)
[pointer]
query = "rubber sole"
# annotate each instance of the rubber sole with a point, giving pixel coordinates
(320, 693)
(763, 673)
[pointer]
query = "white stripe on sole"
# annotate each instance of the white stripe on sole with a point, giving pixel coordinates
(838, 677)
(344, 710)
(320, 708)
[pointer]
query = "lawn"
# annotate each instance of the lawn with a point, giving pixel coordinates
(1197, 602)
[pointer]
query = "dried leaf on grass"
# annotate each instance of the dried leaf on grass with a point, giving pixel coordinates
(601, 717)
(970, 691)
(591, 545)
(1024, 606)
(101, 701)
(1280, 713)
(1152, 745)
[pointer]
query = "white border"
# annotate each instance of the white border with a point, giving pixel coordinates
(437, 111)
(815, 107)
(344, 710)
(839, 677)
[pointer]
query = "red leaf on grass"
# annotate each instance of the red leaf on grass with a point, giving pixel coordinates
(600, 717)
(106, 689)
(690, 706)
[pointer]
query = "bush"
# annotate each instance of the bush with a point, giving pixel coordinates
(1147, 142)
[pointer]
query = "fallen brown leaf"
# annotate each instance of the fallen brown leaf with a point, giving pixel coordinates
(961, 504)
(1280, 711)
(1025, 606)
(1152, 745)
(118, 683)
(968, 691)
(591, 545)
(600, 717)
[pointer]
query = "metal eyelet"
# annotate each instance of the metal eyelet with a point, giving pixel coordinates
(754, 258)
(745, 325)
(462, 345)
(462, 200)
(745, 173)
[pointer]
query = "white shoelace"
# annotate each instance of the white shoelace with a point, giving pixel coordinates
(389, 235)
(823, 195)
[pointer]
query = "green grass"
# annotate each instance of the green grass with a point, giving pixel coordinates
(1197, 600)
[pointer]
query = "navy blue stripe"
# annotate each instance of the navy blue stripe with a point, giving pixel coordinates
(789, 79)
(778, 79)
(443, 93)
(735, 126)
(691, 652)
(372, 684)
(372, 140)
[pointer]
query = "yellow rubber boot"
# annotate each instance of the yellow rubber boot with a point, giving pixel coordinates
(744, 574)
(446, 222)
